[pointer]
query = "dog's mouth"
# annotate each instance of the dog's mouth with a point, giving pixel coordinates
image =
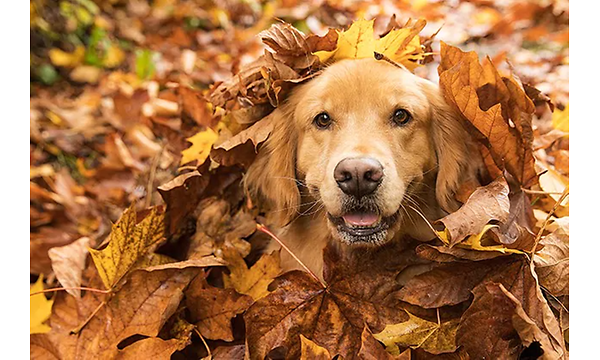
(360, 226)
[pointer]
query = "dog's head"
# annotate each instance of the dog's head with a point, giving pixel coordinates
(357, 144)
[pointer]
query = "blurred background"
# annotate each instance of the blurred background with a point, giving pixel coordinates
(108, 125)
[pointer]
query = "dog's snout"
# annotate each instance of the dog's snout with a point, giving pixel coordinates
(358, 176)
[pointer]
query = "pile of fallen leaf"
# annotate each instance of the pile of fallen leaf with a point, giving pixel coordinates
(187, 279)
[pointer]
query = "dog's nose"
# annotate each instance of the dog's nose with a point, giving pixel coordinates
(358, 176)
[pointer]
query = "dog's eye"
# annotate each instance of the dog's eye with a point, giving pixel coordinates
(322, 121)
(401, 117)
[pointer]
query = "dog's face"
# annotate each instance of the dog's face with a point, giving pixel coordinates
(360, 138)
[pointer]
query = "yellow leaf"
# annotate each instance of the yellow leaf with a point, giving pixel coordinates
(202, 142)
(129, 247)
(401, 45)
(40, 309)
(473, 242)
(419, 333)
(253, 281)
(65, 59)
(356, 43)
(560, 119)
(114, 57)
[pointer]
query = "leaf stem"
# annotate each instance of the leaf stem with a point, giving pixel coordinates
(264, 229)
(70, 288)
(539, 234)
(86, 321)
(204, 342)
(380, 56)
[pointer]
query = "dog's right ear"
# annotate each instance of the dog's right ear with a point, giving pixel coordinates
(271, 177)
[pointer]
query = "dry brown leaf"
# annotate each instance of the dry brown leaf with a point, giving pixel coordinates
(309, 350)
(150, 348)
(552, 263)
(497, 108)
(528, 331)
(143, 305)
(242, 147)
(487, 203)
(285, 40)
(371, 349)
(334, 317)
(68, 263)
(486, 329)
(212, 309)
(182, 195)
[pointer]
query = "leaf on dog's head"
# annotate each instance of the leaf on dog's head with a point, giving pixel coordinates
(285, 40)
(487, 203)
(496, 108)
(358, 42)
(420, 333)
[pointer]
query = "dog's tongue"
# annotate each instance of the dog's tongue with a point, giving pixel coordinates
(361, 219)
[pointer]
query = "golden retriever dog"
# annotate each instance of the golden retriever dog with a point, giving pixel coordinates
(354, 153)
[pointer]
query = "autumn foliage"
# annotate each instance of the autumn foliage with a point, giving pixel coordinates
(142, 129)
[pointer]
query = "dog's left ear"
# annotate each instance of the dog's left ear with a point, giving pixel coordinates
(458, 157)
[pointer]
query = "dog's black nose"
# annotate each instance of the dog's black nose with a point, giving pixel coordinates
(358, 176)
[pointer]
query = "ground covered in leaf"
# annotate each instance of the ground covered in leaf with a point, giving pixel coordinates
(145, 114)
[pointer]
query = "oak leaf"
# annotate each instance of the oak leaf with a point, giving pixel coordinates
(128, 246)
(435, 338)
(68, 263)
(39, 309)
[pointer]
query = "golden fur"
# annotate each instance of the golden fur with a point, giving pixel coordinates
(424, 162)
